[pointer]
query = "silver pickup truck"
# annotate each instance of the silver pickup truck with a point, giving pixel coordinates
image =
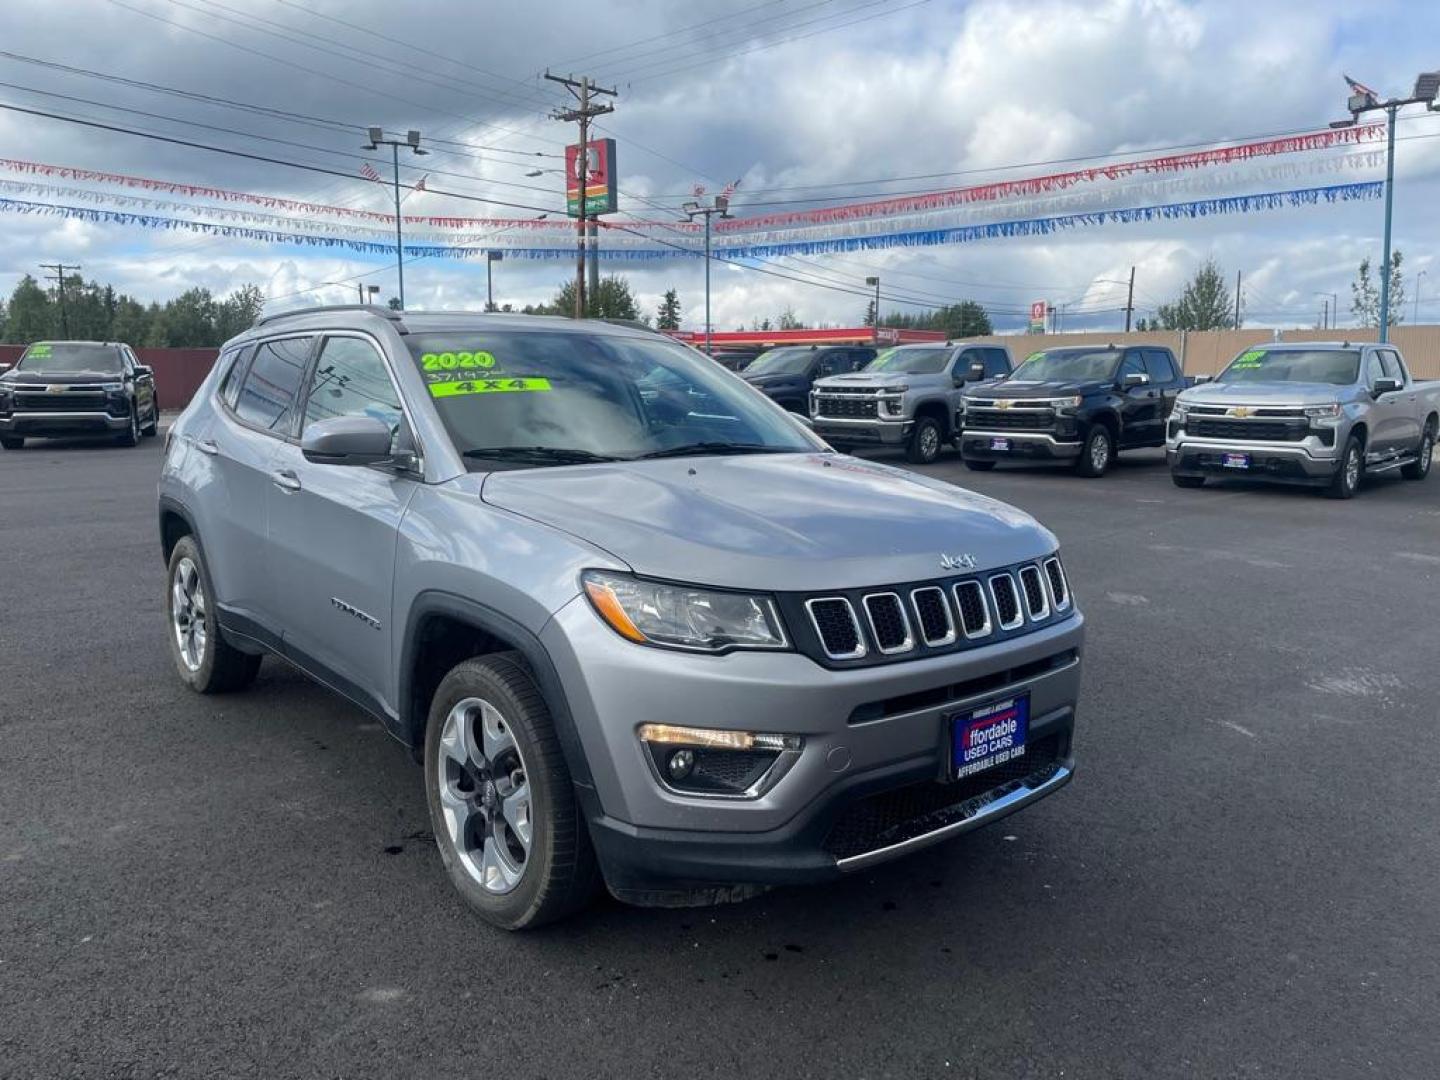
(1317, 413)
(907, 396)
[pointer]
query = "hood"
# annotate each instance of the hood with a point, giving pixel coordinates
(57, 378)
(1260, 393)
(771, 522)
(1020, 389)
(772, 380)
(867, 380)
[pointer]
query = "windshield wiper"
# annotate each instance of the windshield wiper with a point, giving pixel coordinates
(704, 448)
(556, 454)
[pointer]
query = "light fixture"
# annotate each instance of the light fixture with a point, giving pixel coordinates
(376, 135)
(1427, 87)
(412, 137)
(872, 281)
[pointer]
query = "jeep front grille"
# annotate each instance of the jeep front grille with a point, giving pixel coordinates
(1007, 601)
(1059, 587)
(835, 622)
(933, 614)
(888, 623)
(1037, 604)
(974, 613)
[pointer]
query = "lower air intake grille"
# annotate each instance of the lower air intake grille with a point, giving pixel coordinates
(1007, 600)
(834, 621)
(974, 618)
(888, 622)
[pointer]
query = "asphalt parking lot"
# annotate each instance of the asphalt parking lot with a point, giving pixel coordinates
(1242, 881)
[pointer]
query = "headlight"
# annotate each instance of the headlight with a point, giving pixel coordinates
(112, 387)
(1324, 413)
(1072, 402)
(896, 389)
(682, 617)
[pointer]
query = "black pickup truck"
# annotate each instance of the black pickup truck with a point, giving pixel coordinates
(1081, 405)
(787, 373)
(63, 388)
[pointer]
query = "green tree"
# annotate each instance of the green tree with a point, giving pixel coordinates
(668, 317)
(238, 312)
(962, 320)
(613, 300)
(189, 320)
(1205, 304)
(132, 322)
(393, 303)
(869, 314)
(788, 320)
(32, 315)
(1365, 294)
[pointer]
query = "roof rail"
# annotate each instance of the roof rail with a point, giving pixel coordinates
(373, 309)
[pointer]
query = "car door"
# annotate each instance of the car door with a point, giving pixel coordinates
(255, 415)
(143, 383)
(1406, 416)
(333, 529)
(1139, 405)
(1164, 378)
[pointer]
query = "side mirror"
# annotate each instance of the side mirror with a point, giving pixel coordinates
(144, 371)
(1387, 386)
(1203, 379)
(347, 440)
(958, 380)
(1133, 379)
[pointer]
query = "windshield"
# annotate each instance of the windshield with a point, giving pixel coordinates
(592, 396)
(67, 357)
(910, 361)
(1069, 365)
(791, 361)
(1338, 366)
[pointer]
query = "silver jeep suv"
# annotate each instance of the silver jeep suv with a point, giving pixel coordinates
(637, 622)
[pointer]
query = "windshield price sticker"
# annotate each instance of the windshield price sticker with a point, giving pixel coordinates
(1250, 359)
(39, 350)
(457, 387)
(452, 361)
(1034, 356)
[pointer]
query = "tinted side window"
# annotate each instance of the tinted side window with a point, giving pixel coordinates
(234, 375)
(1373, 370)
(1391, 363)
(272, 385)
(1131, 365)
(996, 363)
(351, 379)
(832, 363)
(860, 357)
(1159, 365)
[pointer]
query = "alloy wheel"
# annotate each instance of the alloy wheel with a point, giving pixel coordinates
(930, 443)
(1099, 452)
(1352, 468)
(485, 795)
(187, 613)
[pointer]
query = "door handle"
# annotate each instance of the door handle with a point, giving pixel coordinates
(285, 480)
(207, 446)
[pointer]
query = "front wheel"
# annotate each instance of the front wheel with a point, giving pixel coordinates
(1097, 453)
(924, 445)
(502, 805)
(979, 465)
(207, 663)
(1187, 481)
(151, 429)
(12, 442)
(1420, 467)
(131, 436)
(1347, 477)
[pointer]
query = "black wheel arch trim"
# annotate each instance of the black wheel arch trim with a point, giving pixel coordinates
(500, 626)
(170, 505)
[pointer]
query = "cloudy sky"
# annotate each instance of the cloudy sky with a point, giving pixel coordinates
(799, 99)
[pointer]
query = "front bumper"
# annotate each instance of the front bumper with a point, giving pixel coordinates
(1024, 445)
(32, 422)
(1306, 462)
(647, 834)
(869, 431)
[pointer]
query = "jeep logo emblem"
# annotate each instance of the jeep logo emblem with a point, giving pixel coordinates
(963, 561)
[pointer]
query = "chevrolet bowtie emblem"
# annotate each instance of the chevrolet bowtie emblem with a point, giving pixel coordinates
(1002, 404)
(54, 389)
(1241, 411)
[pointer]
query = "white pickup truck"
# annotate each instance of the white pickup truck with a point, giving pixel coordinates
(1317, 413)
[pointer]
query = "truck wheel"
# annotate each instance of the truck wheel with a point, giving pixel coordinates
(1181, 480)
(152, 429)
(1097, 453)
(131, 437)
(1347, 477)
(207, 663)
(502, 805)
(979, 464)
(12, 442)
(924, 445)
(1420, 467)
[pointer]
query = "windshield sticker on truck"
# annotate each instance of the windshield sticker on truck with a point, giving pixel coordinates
(1250, 359)
(1034, 356)
(451, 361)
(39, 350)
(456, 387)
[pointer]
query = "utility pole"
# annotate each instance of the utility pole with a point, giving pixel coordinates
(412, 140)
(594, 263)
(1416, 320)
(59, 278)
(1325, 314)
(582, 88)
(491, 258)
(1237, 299)
(875, 316)
(719, 205)
(1130, 301)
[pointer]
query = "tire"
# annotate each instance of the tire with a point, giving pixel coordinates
(13, 442)
(1352, 467)
(979, 465)
(924, 445)
(489, 725)
(1184, 481)
(207, 663)
(131, 437)
(1420, 468)
(152, 429)
(1098, 453)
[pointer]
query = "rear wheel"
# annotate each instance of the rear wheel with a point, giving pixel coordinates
(1097, 453)
(979, 465)
(1347, 477)
(207, 663)
(924, 445)
(1420, 467)
(1187, 481)
(12, 442)
(502, 804)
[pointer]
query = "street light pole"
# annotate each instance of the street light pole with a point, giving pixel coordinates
(412, 140)
(875, 315)
(491, 258)
(721, 206)
(1416, 319)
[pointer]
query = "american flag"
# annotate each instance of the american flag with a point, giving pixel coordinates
(368, 171)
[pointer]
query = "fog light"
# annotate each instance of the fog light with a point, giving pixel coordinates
(681, 764)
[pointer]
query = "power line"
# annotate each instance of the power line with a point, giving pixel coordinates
(59, 278)
(577, 60)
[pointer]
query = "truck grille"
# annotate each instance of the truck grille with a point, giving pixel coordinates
(924, 618)
(983, 419)
(1257, 430)
(72, 401)
(892, 817)
(847, 408)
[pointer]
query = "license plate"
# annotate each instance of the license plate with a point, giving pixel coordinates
(1235, 461)
(999, 444)
(989, 735)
